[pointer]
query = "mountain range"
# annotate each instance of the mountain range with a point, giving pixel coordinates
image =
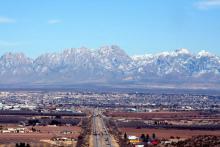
(112, 66)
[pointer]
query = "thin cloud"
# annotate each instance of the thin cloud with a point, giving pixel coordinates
(206, 4)
(6, 44)
(5, 20)
(54, 21)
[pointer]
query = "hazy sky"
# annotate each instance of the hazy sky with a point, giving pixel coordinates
(138, 26)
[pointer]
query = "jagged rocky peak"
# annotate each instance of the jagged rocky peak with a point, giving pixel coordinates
(111, 62)
(16, 58)
(11, 55)
(142, 57)
(76, 53)
(178, 52)
(183, 51)
(113, 54)
(80, 50)
(113, 49)
(204, 53)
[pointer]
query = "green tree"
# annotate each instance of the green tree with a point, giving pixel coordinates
(143, 137)
(125, 136)
(22, 144)
(154, 136)
(147, 138)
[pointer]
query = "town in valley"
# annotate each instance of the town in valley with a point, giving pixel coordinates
(108, 119)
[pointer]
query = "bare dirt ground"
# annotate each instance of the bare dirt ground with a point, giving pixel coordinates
(162, 115)
(45, 133)
(166, 133)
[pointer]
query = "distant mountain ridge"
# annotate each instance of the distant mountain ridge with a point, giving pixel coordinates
(110, 65)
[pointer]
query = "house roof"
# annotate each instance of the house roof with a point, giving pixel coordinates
(132, 137)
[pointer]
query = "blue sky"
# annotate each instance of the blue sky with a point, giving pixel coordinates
(138, 26)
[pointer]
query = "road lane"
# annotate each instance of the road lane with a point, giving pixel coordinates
(100, 134)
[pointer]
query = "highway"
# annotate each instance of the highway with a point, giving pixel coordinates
(100, 135)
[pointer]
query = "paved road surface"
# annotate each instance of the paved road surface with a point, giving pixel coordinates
(100, 135)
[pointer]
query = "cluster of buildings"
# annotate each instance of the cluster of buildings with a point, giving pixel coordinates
(69, 101)
(15, 130)
(143, 140)
(151, 141)
(36, 101)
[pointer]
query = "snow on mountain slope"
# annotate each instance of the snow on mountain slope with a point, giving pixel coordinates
(178, 63)
(114, 58)
(15, 64)
(110, 64)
